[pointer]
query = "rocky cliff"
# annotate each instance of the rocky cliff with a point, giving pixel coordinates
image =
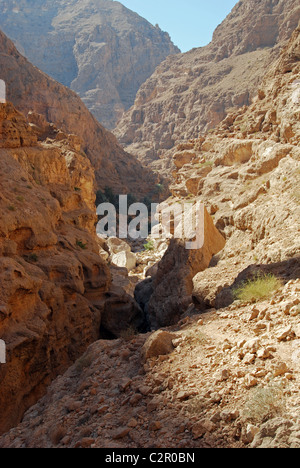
(29, 90)
(189, 94)
(98, 48)
(56, 289)
(247, 174)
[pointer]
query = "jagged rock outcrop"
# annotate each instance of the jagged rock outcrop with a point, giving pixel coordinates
(173, 283)
(99, 48)
(30, 90)
(247, 172)
(191, 93)
(57, 293)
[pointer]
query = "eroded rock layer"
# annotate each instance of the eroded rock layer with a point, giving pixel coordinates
(191, 93)
(30, 90)
(53, 281)
(99, 48)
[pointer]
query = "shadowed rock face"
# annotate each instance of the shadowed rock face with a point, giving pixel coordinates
(98, 48)
(53, 281)
(191, 93)
(56, 291)
(31, 90)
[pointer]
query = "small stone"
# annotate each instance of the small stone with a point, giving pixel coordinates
(250, 433)
(103, 409)
(216, 417)
(144, 390)
(295, 311)
(184, 395)
(132, 423)
(155, 426)
(253, 315)
(158, 344)
(250, 381)
(263, 353)
(120, 433)
(259, 328)
(252, 345)
(87, 442)
(281, 369)
(283, 333)
(225, 374)
(228, 415)
(124, 384)
(198, 430)
(135, 399)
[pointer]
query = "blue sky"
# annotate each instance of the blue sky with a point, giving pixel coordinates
(190, 23)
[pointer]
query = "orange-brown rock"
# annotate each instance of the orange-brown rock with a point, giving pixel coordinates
(250, 184)
(30, 90)
(53, 282)
(191, 93)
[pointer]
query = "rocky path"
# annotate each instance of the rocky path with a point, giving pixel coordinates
(230, 380)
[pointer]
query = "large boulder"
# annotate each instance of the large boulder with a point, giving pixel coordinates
(124, 260)
(116, 245)
(121, 313)
(160, 343)
(173, 284)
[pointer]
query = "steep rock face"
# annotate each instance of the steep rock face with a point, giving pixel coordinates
(191, 93)
(173, 284)
(31, 90)
(53, 282)
(247, 172)
(98, 48)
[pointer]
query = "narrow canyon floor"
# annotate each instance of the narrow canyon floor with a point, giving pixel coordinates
(230, 379)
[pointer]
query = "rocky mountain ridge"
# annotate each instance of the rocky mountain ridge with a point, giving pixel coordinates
(98, 48)
(189, 94)
(246, 172)
(31, 90)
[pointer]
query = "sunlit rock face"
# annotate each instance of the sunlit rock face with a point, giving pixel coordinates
(31, 90)
(190, 94)
(53, 281)
(99, 48)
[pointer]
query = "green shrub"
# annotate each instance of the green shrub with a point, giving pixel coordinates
(264, 404)
(80, 244)
(149, 246)
(257, 289)
(33, 257)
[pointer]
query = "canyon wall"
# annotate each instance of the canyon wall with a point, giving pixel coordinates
(99, 48)
(53, 281)
(29, 90)
(189, 94)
